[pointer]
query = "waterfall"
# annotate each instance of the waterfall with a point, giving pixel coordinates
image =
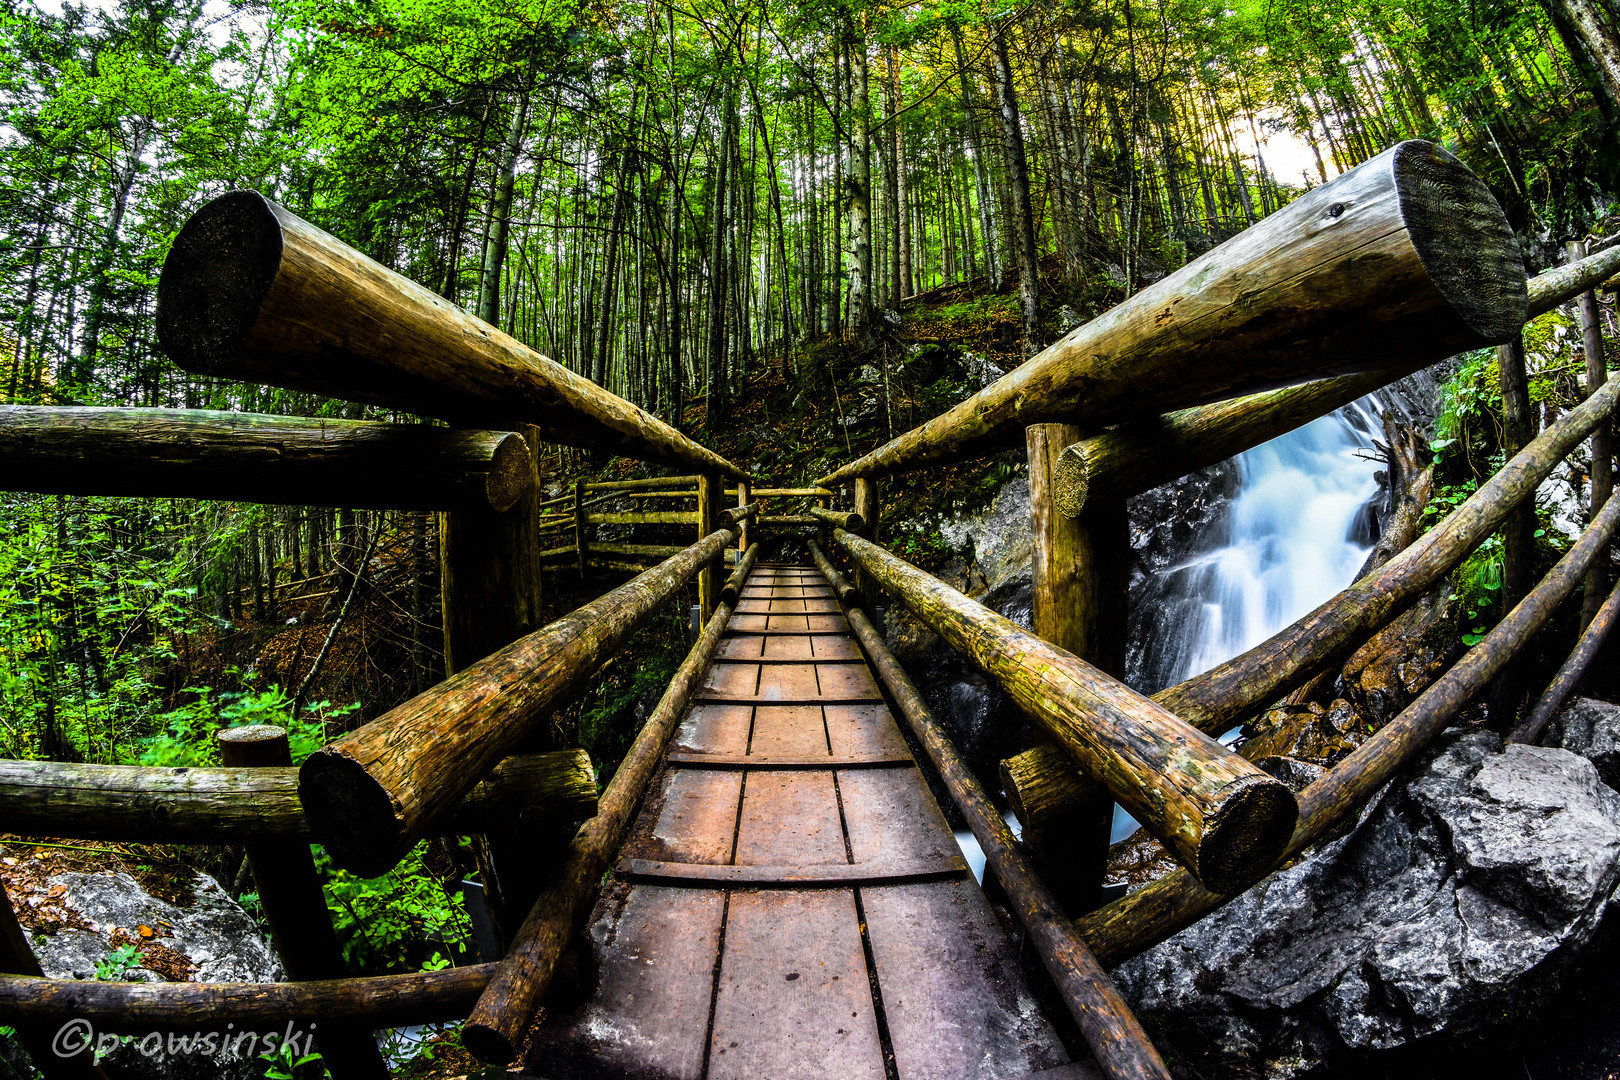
(1297, 529)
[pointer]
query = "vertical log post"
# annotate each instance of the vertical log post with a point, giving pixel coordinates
(745, 538)
(1079, 605)
(1519, 530)
(579, 525)
(823, 533)
(490, 593)
(1597, 578)
(866, 505)
(290, 893)
(708, 509)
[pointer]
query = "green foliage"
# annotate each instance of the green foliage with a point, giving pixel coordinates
(120, 962)
(285, 1063)
(384, 923)
(187, 737)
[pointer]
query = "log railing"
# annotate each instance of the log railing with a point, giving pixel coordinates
(251, 291)
(1409, 261)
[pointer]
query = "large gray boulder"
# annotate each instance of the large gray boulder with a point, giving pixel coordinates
(1591, 728)
(211, 939)
(1461, 894)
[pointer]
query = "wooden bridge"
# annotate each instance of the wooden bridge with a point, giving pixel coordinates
(766, 886)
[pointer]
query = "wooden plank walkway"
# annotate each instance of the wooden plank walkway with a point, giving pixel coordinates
(791, 903)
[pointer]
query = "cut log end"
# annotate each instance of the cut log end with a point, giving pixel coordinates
(487, 1044)
(1463, 240)
(1245, 840)
(351, 814)
(509, 476)
(216, 278)
(1071, 481)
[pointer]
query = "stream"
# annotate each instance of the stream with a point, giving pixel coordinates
(1295, 532)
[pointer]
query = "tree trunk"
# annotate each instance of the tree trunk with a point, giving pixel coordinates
(1012, 137)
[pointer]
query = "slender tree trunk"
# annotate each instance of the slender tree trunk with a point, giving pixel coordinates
(500, 211)
(1018, 181)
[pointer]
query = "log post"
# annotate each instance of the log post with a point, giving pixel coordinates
(1597, 373)
(823, 530)
(839, 520)
(374, 792)
(290, 893)
(489, 567)
(1519, 529)
(745, 540)
(708, 507)
(1399, 263)
(494, 1030)
(581, 556)
(866, 507)
(1080, 570)
(40, 1037)
(1216, 813)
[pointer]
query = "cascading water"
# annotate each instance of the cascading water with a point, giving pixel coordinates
(1296, 531)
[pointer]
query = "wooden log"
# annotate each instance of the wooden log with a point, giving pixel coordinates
(1143, 454)
(137, 1008)
(1602, 485)
(866, 507)
(251, 291)
(732, 589)
(839, 519)
(787, 521)
(736, 515)
(1153, 913)
(581, 521)
(651, 551)
(645, 517)
(1551, 702)
(848, 595)
(374, 792)
(786, 493)
(644, 485)
(709, 576)
(251, 457)
(1079, 569)
(40, 1036)
(1519, 528)
(743, 499)
(1564, 283)
(494, 1030)
(1216, 813)
(290, 893)
(489, 572)
(153, 805)
(1220, 697)
(1398, 263)
(1106, 1022)
(823, 533)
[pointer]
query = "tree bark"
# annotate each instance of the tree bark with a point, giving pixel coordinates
(1023, 220)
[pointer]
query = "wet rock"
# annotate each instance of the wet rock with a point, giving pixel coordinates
(1591, 728)
(210, 940)
(1461, 895)
(999, 539)
(1296, 774)
(1068, 319)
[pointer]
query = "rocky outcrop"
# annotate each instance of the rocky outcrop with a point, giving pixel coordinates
(110, 927)
(1459, 896)
(1591, 728)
